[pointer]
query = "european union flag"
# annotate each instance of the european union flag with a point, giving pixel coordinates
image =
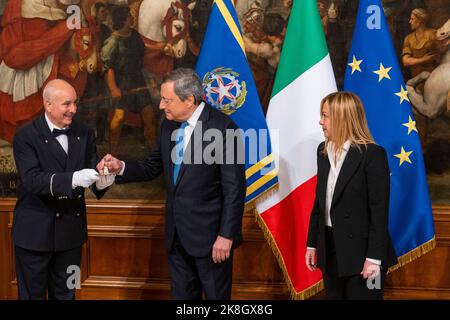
(374, 74)
(229, 86)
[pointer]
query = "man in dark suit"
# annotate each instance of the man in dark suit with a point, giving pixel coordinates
(55, 157)
(205, 199)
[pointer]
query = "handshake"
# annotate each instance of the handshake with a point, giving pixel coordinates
(104, 177)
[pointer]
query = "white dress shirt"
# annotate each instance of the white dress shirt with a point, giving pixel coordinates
(62, 138)
(192, 122)
(188, 130)
(335, 169)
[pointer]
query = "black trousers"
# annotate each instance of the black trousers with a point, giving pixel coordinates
(191, 276)
(352, 287)
(38, 272)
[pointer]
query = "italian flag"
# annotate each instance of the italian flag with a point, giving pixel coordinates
(304, 77)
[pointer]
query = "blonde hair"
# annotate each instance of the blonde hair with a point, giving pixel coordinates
(347, 121)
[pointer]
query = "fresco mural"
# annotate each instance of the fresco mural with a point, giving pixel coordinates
(117, 57)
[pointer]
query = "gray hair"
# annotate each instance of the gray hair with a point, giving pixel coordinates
(186, 83)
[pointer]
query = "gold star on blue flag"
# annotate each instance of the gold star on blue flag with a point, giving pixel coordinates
(410, 216)
(403, 94)
(383, 72)
(355, 64)
(403, 156)
(411, 125)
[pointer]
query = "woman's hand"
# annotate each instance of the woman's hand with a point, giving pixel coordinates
(311, 259)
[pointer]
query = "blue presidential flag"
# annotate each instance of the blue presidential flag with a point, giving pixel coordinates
(229, 86)
(374, 74)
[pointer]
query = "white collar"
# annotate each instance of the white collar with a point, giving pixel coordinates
(51, 125)
(192, 121)
(345, 146)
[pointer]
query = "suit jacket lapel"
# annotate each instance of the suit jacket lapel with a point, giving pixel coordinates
(351, 163)
(324, 169)
(172, 128)
(195, 142)
(74, 142)
(54, 146)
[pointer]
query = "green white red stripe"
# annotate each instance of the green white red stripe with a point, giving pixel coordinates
(304, 77)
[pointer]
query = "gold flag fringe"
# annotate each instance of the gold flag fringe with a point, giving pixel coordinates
(251, 205)
(414, 254)
(302, 295)
(316, 288)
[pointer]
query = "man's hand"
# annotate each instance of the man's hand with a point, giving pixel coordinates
(84, 178)
(221, 249)
(105, 181)
(112, 164)
(370, 270)
(311, 259)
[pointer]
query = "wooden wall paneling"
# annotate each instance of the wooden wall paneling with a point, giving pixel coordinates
(8, 286)
(125, 258)
(4, 258)
(126, 253)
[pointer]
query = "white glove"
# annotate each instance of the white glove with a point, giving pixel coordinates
(105, 181)
(84, 178)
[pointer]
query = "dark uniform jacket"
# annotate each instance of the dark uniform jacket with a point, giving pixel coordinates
(49, 215)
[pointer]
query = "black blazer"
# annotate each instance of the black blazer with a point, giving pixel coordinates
(359, 210)
(208, 199)
(49, 215)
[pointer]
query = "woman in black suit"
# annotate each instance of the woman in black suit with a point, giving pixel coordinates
(348, 236)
